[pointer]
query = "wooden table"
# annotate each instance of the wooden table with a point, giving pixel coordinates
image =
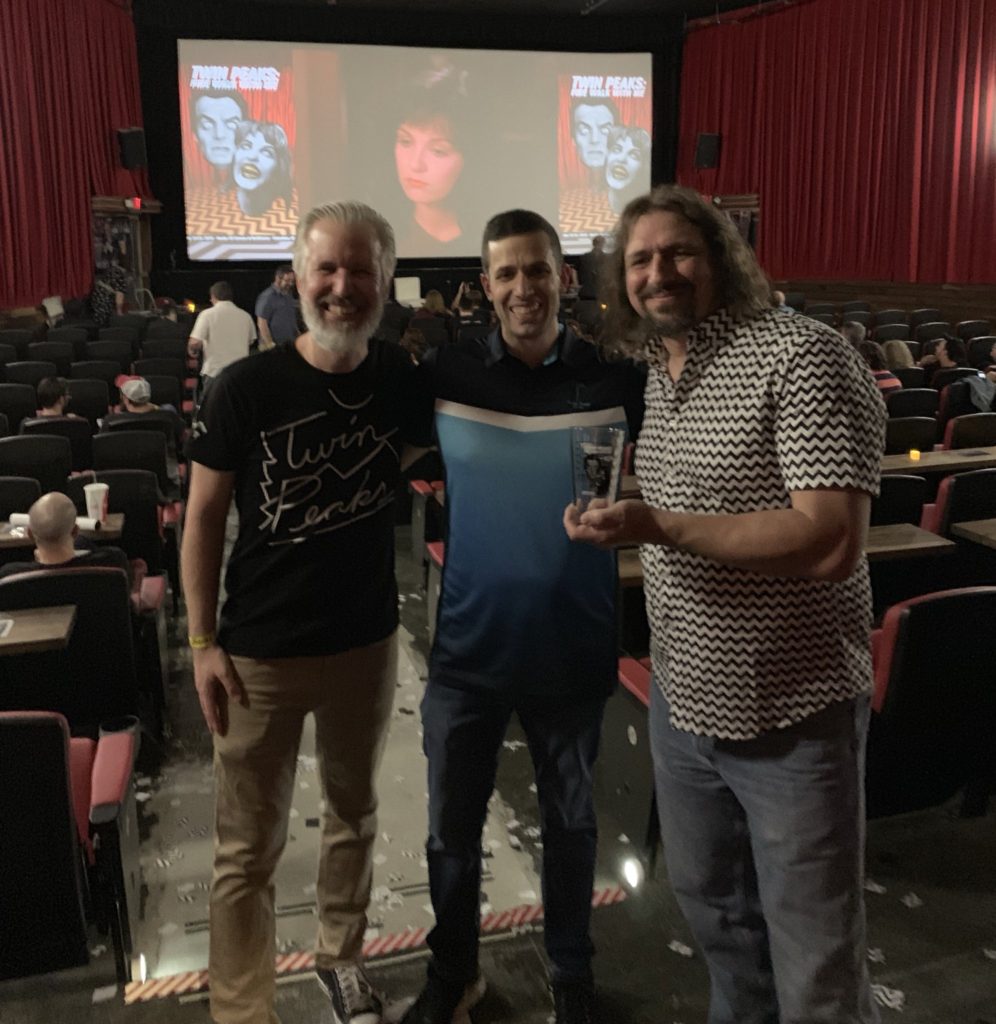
(628, 486)
(904, 540)
(978, 531)
(109, 530)
(885, 543)
(954, 461)
(38, 629)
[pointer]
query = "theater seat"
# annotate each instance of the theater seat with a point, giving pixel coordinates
(961, 498)
(933, 726)
(70, 844)
(975, 430)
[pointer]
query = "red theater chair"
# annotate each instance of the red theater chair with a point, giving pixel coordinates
(960, 498)
(975, 430)
(933, 725)
(93, 679)
(70, 842)
(425, 519)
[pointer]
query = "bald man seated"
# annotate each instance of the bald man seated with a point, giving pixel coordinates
(52, 526)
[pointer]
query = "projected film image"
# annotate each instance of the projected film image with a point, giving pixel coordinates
(436, 140)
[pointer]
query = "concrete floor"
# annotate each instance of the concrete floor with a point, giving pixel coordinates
(931, 899)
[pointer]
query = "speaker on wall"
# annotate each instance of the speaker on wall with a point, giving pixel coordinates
(131, 143)
(707, 151)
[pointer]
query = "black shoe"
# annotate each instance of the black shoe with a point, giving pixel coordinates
(574, 1002)
(440, 1003)
(353, 998)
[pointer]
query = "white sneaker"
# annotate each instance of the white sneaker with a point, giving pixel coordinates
(353, 997)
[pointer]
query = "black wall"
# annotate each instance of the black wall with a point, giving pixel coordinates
(159, 23)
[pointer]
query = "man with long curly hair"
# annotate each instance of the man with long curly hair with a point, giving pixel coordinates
(757, 460)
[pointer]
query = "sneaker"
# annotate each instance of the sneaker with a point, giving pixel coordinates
(353, 998)
(439, 1003)
(574, 1002)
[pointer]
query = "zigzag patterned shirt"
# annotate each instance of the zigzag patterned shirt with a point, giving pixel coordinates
(762, 408)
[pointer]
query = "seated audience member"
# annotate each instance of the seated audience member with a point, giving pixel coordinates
(52, 526)
(432, 305)
(897, 354)
(53, 397)
(414, 343)
(778, 302)
(468, 304)
(949, 353)
(875, 358)
(854, 332)
(136, 396)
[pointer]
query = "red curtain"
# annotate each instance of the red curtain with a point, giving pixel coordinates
(868, 130)
(68, 81)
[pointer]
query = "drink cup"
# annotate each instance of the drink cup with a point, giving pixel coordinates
(96, 501)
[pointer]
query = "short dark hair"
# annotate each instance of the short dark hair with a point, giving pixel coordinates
(222, 291)
(50, 391)
(284, 268)
(518, 222)
(956, 349)
(872, 354)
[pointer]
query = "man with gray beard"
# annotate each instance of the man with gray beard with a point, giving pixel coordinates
(308, 438)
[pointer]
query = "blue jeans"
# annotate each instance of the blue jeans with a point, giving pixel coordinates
(462, 736)
(764, 844)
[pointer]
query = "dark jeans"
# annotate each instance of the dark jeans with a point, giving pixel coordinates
(764, 842)
(462, 735)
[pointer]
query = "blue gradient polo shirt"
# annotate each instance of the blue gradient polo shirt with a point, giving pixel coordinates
(523, 610)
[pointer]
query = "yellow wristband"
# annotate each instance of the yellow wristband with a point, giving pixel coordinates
(201, 641)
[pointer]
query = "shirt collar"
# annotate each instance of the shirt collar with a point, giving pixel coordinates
(710, 333)
(497, 349)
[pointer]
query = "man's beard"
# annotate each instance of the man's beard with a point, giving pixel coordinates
(340, 339)
(670, 324)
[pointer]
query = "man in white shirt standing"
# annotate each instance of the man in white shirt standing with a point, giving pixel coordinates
(224, 332)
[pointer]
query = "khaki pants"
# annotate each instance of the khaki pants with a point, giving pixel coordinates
(350, 695)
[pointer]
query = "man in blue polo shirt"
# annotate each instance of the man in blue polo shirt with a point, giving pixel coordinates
(526, 621)
(276, 310)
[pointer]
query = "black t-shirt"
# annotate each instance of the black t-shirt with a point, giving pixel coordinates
(316, 457)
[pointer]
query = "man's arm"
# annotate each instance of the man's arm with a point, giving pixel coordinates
(821, 537)
(203, 545)
(265, 338)
(194, 345)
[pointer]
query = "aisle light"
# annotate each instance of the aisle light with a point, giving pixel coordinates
(633, 873)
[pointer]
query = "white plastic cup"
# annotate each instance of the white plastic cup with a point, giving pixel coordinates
(96, 501)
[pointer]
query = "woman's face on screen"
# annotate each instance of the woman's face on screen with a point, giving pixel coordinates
(623, 163)
(255, 160)
(428, 162)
